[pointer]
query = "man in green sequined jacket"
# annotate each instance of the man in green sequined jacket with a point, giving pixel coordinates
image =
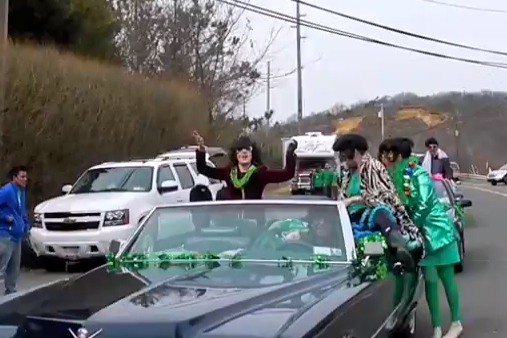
(415, 190)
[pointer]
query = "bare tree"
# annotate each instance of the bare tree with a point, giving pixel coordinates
(200, 40)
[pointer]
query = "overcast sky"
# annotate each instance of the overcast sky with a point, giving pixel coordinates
(341, 70)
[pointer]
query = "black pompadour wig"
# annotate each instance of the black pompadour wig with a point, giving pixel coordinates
(244, 142)
(347, 144)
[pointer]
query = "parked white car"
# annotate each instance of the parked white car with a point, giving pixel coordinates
(108, 202)
(497, 176)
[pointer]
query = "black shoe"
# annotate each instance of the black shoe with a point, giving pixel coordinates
(405, 258)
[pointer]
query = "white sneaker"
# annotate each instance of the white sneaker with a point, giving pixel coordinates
(437, 332)
(455, 330)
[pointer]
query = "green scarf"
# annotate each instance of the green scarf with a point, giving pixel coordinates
(240, 183)
(396, 172)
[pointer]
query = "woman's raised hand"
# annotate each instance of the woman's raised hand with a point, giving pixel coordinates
(198, 140)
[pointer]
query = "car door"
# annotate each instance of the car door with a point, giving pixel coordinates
(185, 178)
(166, 173)
(372, 313)
(369, 312)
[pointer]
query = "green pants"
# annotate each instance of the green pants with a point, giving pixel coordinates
(446, 274)
(431, 276)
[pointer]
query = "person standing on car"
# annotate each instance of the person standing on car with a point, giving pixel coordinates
(13, 226)
(417, 193)
(436, 160)
(370, 196)
(247, 177)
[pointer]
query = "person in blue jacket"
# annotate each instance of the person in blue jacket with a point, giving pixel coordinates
(13, 226)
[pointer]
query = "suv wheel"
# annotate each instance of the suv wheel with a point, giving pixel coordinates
(51, 264)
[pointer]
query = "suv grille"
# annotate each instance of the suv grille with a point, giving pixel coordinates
(70, 214)
(76, 226)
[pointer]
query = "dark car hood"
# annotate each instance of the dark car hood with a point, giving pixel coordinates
(179, 305)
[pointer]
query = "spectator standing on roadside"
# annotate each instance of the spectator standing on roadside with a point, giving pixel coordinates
(436, 160)
(330, 179)
(13, 226)
(317, 181)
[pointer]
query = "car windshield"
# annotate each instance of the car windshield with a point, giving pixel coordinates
(504, 167)
(260, 232)
(133, 179)
(442, 193)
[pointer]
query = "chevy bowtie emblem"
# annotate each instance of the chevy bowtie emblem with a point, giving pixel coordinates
(69, 220)
(83, 333)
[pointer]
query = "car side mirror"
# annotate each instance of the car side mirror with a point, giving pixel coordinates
(168, 186)
(373, 249)
(66, 188)
(114, 246)
(465, 203)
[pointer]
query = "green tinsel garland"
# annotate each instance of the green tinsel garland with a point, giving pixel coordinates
(190, 260)
(369, 269)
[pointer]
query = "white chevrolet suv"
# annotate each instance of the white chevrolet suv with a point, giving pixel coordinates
(108, 202)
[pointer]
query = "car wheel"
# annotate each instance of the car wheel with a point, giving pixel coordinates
(505, 179)
(29, 258)
(51, 264)
(408, 331)
(458, 267)
(493, 182)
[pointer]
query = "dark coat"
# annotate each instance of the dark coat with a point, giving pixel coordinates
(258, 181)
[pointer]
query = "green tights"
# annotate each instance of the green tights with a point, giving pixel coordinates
(446, 274)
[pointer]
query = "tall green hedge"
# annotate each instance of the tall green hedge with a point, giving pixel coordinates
(65, 114)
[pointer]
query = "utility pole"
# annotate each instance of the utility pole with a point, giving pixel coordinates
(381, 117)
(244, 108)
(4, 26)
(268, 89)
(457, 135)
(299, 70)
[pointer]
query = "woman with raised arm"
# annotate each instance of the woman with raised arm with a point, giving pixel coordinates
(246, 177)
(417, 193)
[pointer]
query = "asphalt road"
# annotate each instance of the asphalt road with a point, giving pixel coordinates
(481, 285)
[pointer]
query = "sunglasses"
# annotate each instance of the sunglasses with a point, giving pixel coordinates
(244, 149)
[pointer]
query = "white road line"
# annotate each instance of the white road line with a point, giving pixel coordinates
(494, 192)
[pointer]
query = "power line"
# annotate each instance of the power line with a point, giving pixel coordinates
(290, 19)
(399, 31)
(472, 8)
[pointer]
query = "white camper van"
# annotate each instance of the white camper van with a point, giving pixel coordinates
(313, 151)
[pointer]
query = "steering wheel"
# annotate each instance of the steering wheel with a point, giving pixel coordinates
(295, 246)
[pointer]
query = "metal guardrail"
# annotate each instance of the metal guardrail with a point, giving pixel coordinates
(473, 177)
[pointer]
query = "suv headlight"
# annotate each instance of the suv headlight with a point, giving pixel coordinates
(37, 220)
(116, 217)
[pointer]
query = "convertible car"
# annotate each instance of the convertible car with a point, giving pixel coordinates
(239, 269)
